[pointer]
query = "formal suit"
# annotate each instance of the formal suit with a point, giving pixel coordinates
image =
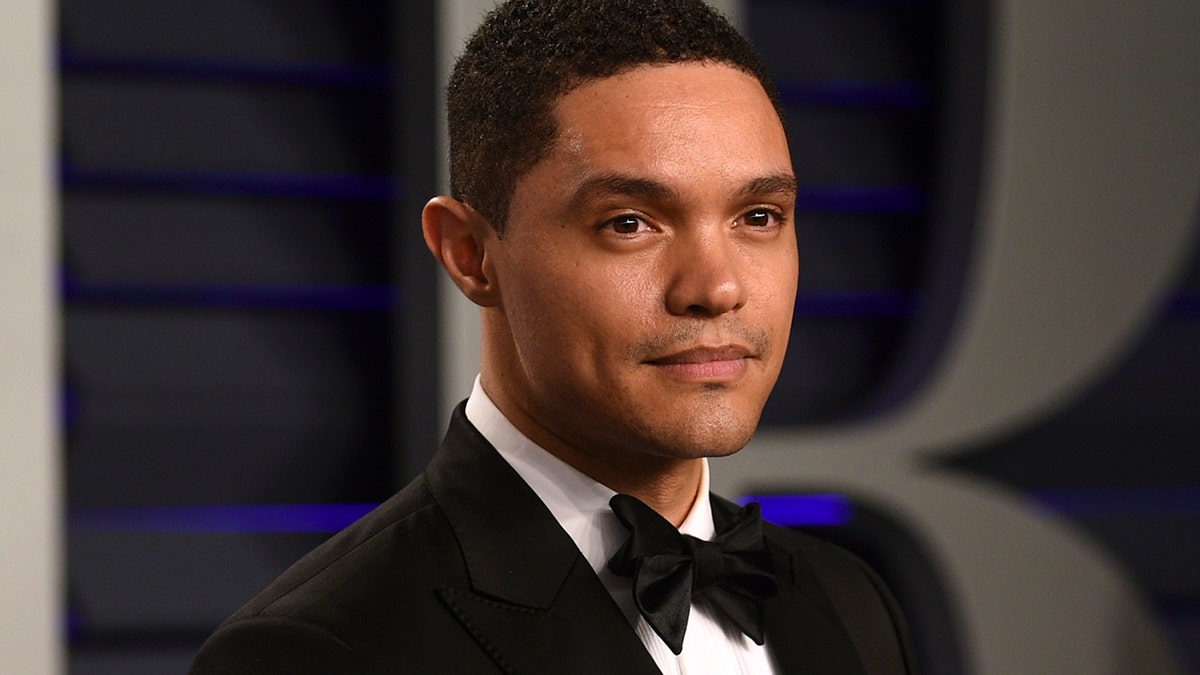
(466, 571)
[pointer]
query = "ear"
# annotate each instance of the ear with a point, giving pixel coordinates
(458, 236)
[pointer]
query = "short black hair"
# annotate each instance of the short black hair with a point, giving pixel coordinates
(529, 53)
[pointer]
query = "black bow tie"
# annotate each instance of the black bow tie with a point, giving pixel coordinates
(733, 571)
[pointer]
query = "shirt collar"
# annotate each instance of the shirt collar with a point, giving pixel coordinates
(578, 502)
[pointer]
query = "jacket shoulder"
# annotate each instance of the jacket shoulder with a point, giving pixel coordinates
(342, 605)
(400, 535)
(863, 603)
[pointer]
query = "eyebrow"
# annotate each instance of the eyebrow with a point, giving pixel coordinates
(623, 185)
(778, 183)
(652, 190)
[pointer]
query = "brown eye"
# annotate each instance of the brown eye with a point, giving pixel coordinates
(626, 224)
(759, 218)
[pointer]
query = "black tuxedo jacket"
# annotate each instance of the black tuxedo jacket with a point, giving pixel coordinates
(466, 571)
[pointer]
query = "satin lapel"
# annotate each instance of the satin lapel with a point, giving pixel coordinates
(804, 632)
(583, 632)
(533, 602)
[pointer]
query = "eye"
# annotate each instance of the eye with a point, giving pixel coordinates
(762, 217)
(626, 224)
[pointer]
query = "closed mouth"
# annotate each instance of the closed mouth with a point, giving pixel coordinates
(701, 355)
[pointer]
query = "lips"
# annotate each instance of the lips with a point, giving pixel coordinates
(703, 355)
(705, 363)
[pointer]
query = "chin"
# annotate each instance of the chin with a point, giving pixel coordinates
(706, 436)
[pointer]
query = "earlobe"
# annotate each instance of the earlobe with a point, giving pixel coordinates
(458, 236)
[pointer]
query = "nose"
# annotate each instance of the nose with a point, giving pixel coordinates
(708, 277)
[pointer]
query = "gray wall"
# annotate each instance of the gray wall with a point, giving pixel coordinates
(29, 482)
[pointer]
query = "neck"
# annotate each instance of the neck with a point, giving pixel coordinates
(669, 485)
(666, 484)
(671, 488)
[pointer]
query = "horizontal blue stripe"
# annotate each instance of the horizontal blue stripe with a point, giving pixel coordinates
(365, 76)
(1178, 608)
(1184, 305)
(789, 511)
(238, 183)
(854, 304)
(68, 405)
(855, 94)
(226, 518)
(860, 199)
(335, 298)
(785, 510)
(1117, 502)
(73, 625)
(804, 510)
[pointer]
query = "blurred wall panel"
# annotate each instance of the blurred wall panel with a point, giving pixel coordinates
(244, 324)
(30, 491)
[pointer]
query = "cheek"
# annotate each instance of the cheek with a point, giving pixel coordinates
(555, 308)
(624, 306)
(778, 282)
(600, 299)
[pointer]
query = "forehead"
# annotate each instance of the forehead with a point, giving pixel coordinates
(661, 117)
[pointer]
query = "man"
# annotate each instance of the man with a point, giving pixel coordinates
(622, 215)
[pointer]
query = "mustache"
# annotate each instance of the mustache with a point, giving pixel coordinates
(694, 333)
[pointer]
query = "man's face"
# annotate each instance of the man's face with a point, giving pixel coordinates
(647, 273)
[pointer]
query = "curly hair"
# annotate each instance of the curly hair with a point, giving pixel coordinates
(529, 53)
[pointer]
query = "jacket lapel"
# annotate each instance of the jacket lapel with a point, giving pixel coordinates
(533, 603)
(803, 630)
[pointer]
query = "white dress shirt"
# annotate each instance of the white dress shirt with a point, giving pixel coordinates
(712, 644)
